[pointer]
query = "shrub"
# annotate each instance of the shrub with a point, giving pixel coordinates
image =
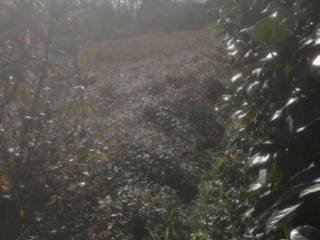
(274, 97)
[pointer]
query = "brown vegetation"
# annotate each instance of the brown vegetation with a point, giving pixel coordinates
(148, 45)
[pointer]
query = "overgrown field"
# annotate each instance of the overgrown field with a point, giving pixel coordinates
(168, 135)
(118, 143)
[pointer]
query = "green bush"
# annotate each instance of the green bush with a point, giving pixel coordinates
(274, 98)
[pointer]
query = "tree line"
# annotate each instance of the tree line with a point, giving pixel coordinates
(105, 19)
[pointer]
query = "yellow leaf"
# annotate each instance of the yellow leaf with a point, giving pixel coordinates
(103, 157)
(28, 39)
(98, 156)
(4, 184)
(78, 110)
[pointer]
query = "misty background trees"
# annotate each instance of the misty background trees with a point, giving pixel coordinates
(106, 19)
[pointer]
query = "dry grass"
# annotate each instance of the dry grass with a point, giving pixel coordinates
(145, 46)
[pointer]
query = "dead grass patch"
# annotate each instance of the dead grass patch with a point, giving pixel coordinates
(145, 46)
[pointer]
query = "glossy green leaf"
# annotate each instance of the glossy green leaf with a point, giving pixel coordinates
(271, 30)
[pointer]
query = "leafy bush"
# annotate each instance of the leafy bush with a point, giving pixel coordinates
(274, 98)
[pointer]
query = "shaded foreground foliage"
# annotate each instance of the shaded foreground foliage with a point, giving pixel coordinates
(274, 102)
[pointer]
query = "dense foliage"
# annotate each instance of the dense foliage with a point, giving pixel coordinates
(274, 101)
(70, 170)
